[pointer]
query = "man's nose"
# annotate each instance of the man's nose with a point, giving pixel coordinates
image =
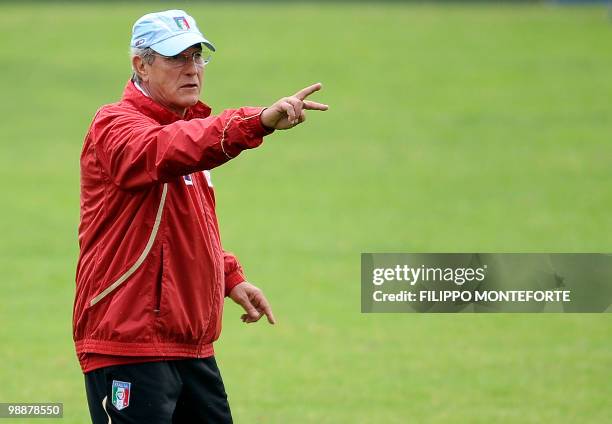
(190, 67)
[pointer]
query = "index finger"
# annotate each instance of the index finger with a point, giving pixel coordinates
(305, 92)
(262, 305)
(268, 312)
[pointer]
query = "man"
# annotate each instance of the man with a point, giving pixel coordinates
(152, 274)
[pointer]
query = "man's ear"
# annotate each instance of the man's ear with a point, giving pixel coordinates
(140, 68)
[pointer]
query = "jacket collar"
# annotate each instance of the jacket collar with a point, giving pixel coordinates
(149, 107)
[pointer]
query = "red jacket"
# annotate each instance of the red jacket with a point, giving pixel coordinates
(152, 274)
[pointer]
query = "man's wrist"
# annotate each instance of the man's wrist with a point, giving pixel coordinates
(261, 120)
(232, 281)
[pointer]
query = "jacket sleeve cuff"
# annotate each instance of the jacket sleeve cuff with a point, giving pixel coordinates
(232, 280)
(267, 130)
(244, 130)
(257, 127)
(253, 125)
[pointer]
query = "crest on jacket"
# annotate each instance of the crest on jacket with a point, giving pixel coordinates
(121, 394)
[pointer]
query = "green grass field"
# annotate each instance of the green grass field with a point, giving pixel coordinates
(451, 128)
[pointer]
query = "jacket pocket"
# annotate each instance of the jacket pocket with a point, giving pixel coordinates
(159, 283)
(142, 256)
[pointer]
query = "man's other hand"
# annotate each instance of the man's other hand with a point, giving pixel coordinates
(253, 302)
(290, 111)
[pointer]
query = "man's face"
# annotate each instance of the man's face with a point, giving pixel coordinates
(172, 83)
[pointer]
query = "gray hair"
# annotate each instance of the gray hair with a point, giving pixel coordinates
(147, 54)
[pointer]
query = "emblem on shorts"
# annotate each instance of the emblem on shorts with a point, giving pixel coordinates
(121, 394)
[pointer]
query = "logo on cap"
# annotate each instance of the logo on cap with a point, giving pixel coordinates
(182, 23)
(139, 42)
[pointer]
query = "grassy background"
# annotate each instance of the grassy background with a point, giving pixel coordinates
(451, 128)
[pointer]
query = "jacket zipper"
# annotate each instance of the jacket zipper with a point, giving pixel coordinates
(213, 302)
